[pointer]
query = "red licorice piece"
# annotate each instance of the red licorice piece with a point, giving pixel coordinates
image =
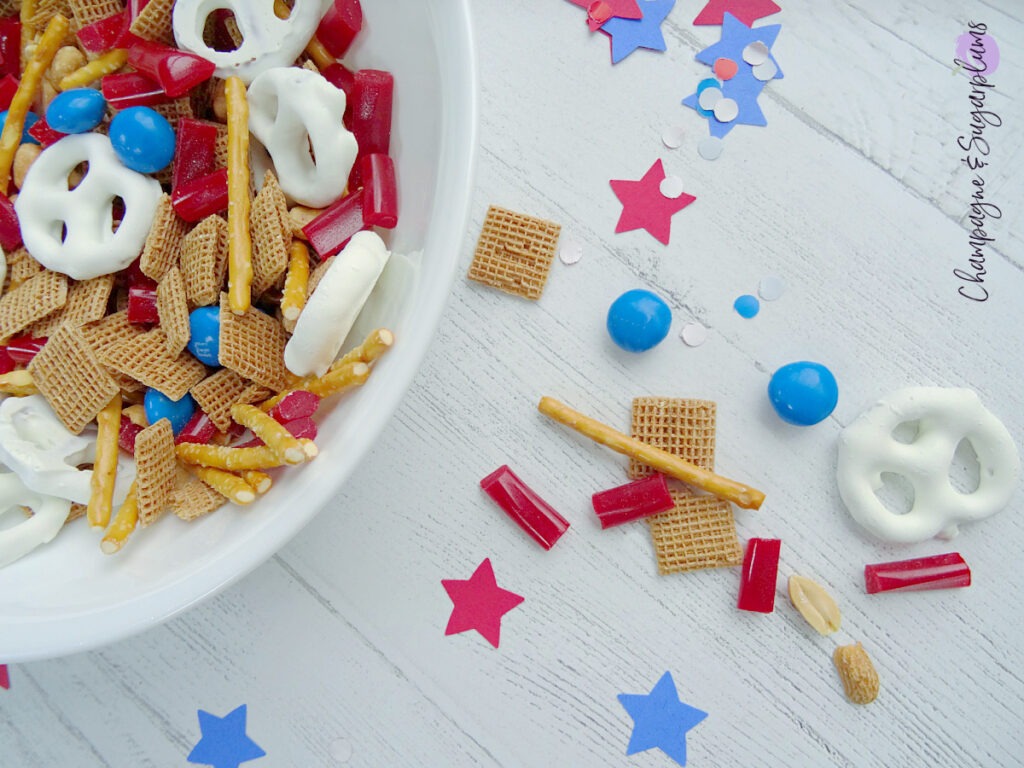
(131, 89)
(760, 570)
(133, 274)
(937, 572)
(195, 151)
(522, 504)
(372, 93)
(201, 197)
(299, 404)
(126, 436)
(8, 87)
(10, 230)
(632, 501)
(10, 47)
(177, 72)
(22, 349)
(302, 428)
(7, 363)
(329, 231)
(380, 192)
(103, 35)
(342, 78)
(339, 26)
(44, 134)
(199, 429)
(142, 304)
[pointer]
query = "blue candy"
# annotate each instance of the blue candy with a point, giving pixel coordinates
(76, 111)
(803, 393)
(204, 334)
(747, 306)
(160, 406)
(638, 320)
(30, 119)
(142, 139)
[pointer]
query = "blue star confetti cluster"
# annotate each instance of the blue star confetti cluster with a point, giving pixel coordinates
(631, 24)
(660, 720)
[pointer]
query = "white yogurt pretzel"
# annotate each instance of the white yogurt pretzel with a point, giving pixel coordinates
(71, 230)
(291, 110)
(267, 41)
(945, 417)
(45, 456)
(48, 515)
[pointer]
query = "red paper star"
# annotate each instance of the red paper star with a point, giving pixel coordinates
(747, 11)
(644, 207)
(5, 678)
(599, 11)
(479, 603)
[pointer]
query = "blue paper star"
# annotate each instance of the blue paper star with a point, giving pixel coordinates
(224, 743)
(660, 720)
(744, 89)
(629, 34)
(735, 37)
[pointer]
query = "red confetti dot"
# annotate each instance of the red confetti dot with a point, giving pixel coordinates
(726, 69)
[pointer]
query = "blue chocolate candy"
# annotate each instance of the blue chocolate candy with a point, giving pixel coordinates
(204, 338)
(142, 139)
(76, 111)
(638, 320)
(160, 406)
(30, 119)
(803, 393)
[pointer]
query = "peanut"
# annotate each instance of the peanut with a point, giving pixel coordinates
(814, 604)
(860, 680)
(23, 159)
(65, 61)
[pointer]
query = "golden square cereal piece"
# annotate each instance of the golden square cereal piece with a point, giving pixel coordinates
(267, 225)
(154, 23)
(163, 244)
(111, 331)
(252, 345)
(145, 358)
(32, 301)
(698, 532)
(9, 8)
(20, 267)
(70, 377)
(514, 252)
(220, 152)
(173, 110)
(87, 302)
(88, 11)
(683, 427)
(217, 393)
(193, 498)
(204, 261)
(172, 306)
(156, 468)
(46, 9)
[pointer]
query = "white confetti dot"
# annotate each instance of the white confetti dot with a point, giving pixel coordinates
(709, 97)
(710, 147)
(673, 136)
(765, 71)
(726, 110)
(341, 750)
(755, 53)
(771, 287)
(671, 187)
(570, 250)
(694, 334)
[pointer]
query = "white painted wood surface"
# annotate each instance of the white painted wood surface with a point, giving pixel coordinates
(855, 194)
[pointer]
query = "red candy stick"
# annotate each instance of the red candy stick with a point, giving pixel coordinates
(10, 47)
(195, 151)
(131, 89)
(372, 94)
(329, 231)
(299, 404)
(23, 348)
(201, 197)
(44, 134)
(339, 26)
(380, 192)
(177, 72)
(102, 35)
(199, 429)
(10, 230)
(937, 572)
(126, 436)
(530, 511)
(342, 78)
(8, 87)
(632, 501)
(7, 364)
(760, 570)
(142, 304)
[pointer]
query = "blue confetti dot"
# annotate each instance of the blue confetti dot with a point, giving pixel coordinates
(747, 306)
(76, 111)
(30, 119)
(160, 406)
(703, 85)
(803, 393)
(638, 320)
(142, 139)
(204, 338)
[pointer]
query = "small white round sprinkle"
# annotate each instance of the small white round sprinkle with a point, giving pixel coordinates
(710, 147)
(709, 97)
(693, 334)
(765, 71)
(341, 750)
(726, 110)
(771, 287)
(755, 53)
(570, 250)
(671, 187)
(673, 136)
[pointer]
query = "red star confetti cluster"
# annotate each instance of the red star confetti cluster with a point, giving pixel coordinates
(629, 24)
(651, 202)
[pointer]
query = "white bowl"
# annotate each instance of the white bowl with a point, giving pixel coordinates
(68, 596)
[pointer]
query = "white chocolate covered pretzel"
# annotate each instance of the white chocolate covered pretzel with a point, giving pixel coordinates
(945, 417)
(48, 515)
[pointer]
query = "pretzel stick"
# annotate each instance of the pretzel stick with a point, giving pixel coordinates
(296, 283)
(239, 237)
(37, 65)
(124, 523)
(260, 481)
(315, 49)
(276, 437)
(331, 383)
(18, 383)
(375, 345)
(226, 483)
(235, 459)
(136, 414)
(104, 469)
(107, 64)
(663, 461)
